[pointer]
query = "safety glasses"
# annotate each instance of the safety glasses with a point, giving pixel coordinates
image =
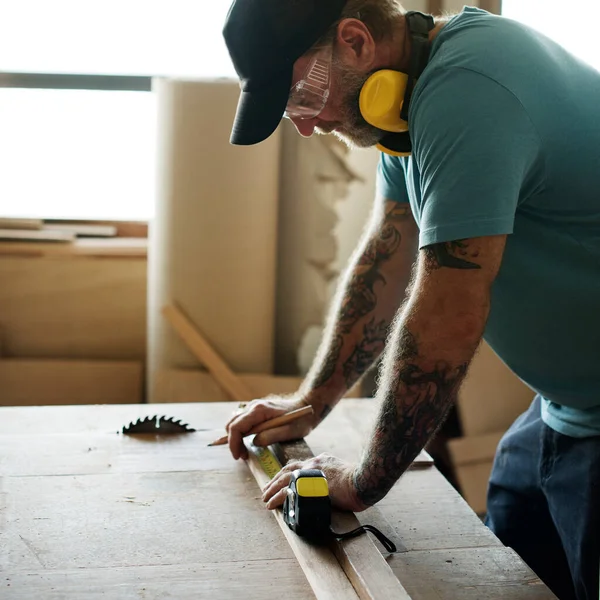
(308, 96)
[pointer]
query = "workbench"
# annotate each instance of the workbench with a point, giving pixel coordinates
(87, 512)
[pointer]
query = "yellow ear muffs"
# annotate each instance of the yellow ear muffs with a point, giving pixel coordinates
(381, 99)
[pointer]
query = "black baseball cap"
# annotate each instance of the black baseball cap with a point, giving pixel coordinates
(265, 38)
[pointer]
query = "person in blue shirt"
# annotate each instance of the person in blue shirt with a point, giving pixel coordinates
(489, 190)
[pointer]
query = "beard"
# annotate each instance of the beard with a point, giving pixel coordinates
(353, 129)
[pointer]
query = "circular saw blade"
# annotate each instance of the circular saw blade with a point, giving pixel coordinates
(157, 425)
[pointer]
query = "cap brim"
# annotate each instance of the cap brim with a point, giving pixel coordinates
(259, 112)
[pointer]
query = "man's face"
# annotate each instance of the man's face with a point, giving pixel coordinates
(341, 115)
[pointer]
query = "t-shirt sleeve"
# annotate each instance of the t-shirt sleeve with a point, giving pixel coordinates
(391, 181)
(474, 146)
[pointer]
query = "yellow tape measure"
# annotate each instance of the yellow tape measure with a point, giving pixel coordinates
(268, 461)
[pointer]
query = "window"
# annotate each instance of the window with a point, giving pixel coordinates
(89, 154)
(550, 18)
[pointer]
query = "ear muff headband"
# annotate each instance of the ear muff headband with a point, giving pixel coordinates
(384, 100)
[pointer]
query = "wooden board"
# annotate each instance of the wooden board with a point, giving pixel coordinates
(359, 558)
(83, 230)
(10, 223)
(82, 308)
(129, 248)
(206, 354)
(192, 385)
(33, 235)
(320, 566)
(35, 382)
(116, 517)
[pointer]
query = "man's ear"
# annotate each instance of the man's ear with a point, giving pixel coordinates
(355, 44)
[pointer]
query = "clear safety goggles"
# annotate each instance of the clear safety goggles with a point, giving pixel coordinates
(308, 96)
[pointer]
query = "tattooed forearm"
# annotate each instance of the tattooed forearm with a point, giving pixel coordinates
(357, 330)
(361, 298)
(452, 254)
(330, 362)
(366, 351)
(416, 403)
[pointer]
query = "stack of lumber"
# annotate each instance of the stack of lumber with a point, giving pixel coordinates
(491, 398)
(37, 230)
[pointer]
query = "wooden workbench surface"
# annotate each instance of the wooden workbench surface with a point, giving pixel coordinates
(86, 512)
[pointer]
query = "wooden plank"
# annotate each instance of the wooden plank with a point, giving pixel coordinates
(362, 562)
(83, 230)
(47, 381)
(130, 519)
(125, 229)
(204, 352)
(10, 223)
(320, 566)
(428, 515)
(190, 385)
(193, 385)
(32, 235)
(446, 541)
(81, 309)
(468, 574)
(248, 579)
(130, 248)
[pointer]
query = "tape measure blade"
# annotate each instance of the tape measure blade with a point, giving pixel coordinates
(267, 460)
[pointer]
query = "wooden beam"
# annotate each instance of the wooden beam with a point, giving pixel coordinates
(204, 352)
(360, 560)
(27, 382)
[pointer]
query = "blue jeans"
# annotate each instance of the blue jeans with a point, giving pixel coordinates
(544, 502)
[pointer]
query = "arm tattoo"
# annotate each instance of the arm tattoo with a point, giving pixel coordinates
(361, 298)
(328, 368)
(369, 348)
(451, 254)
(416, 404)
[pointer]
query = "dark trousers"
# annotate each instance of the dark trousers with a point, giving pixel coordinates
(544, 502)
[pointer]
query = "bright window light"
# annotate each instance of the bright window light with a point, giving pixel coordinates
(90, 154)
(76, 154)
(131, 37)
(548, 17)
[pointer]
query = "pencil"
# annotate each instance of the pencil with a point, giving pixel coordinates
(272, 423)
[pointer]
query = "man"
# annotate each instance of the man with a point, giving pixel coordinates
(501, 195)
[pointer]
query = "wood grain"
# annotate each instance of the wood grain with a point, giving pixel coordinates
(82, 308)
(205, 353)
(360, 559)
(319, 564)
(120, 518)
(193, 385)
(50, 381)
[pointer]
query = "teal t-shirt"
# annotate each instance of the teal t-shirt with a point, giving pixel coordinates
(505, 127)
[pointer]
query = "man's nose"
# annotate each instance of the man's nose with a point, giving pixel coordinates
(305, 127)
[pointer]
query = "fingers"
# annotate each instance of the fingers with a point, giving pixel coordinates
(272, 493)
(241, 425)
(294, 430)
(278, 499)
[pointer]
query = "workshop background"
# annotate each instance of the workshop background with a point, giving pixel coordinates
(120, 194)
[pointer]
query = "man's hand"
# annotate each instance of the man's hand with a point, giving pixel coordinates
(340, 478)
(258, 411)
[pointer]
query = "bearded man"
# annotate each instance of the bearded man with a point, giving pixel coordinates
(489, 184)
